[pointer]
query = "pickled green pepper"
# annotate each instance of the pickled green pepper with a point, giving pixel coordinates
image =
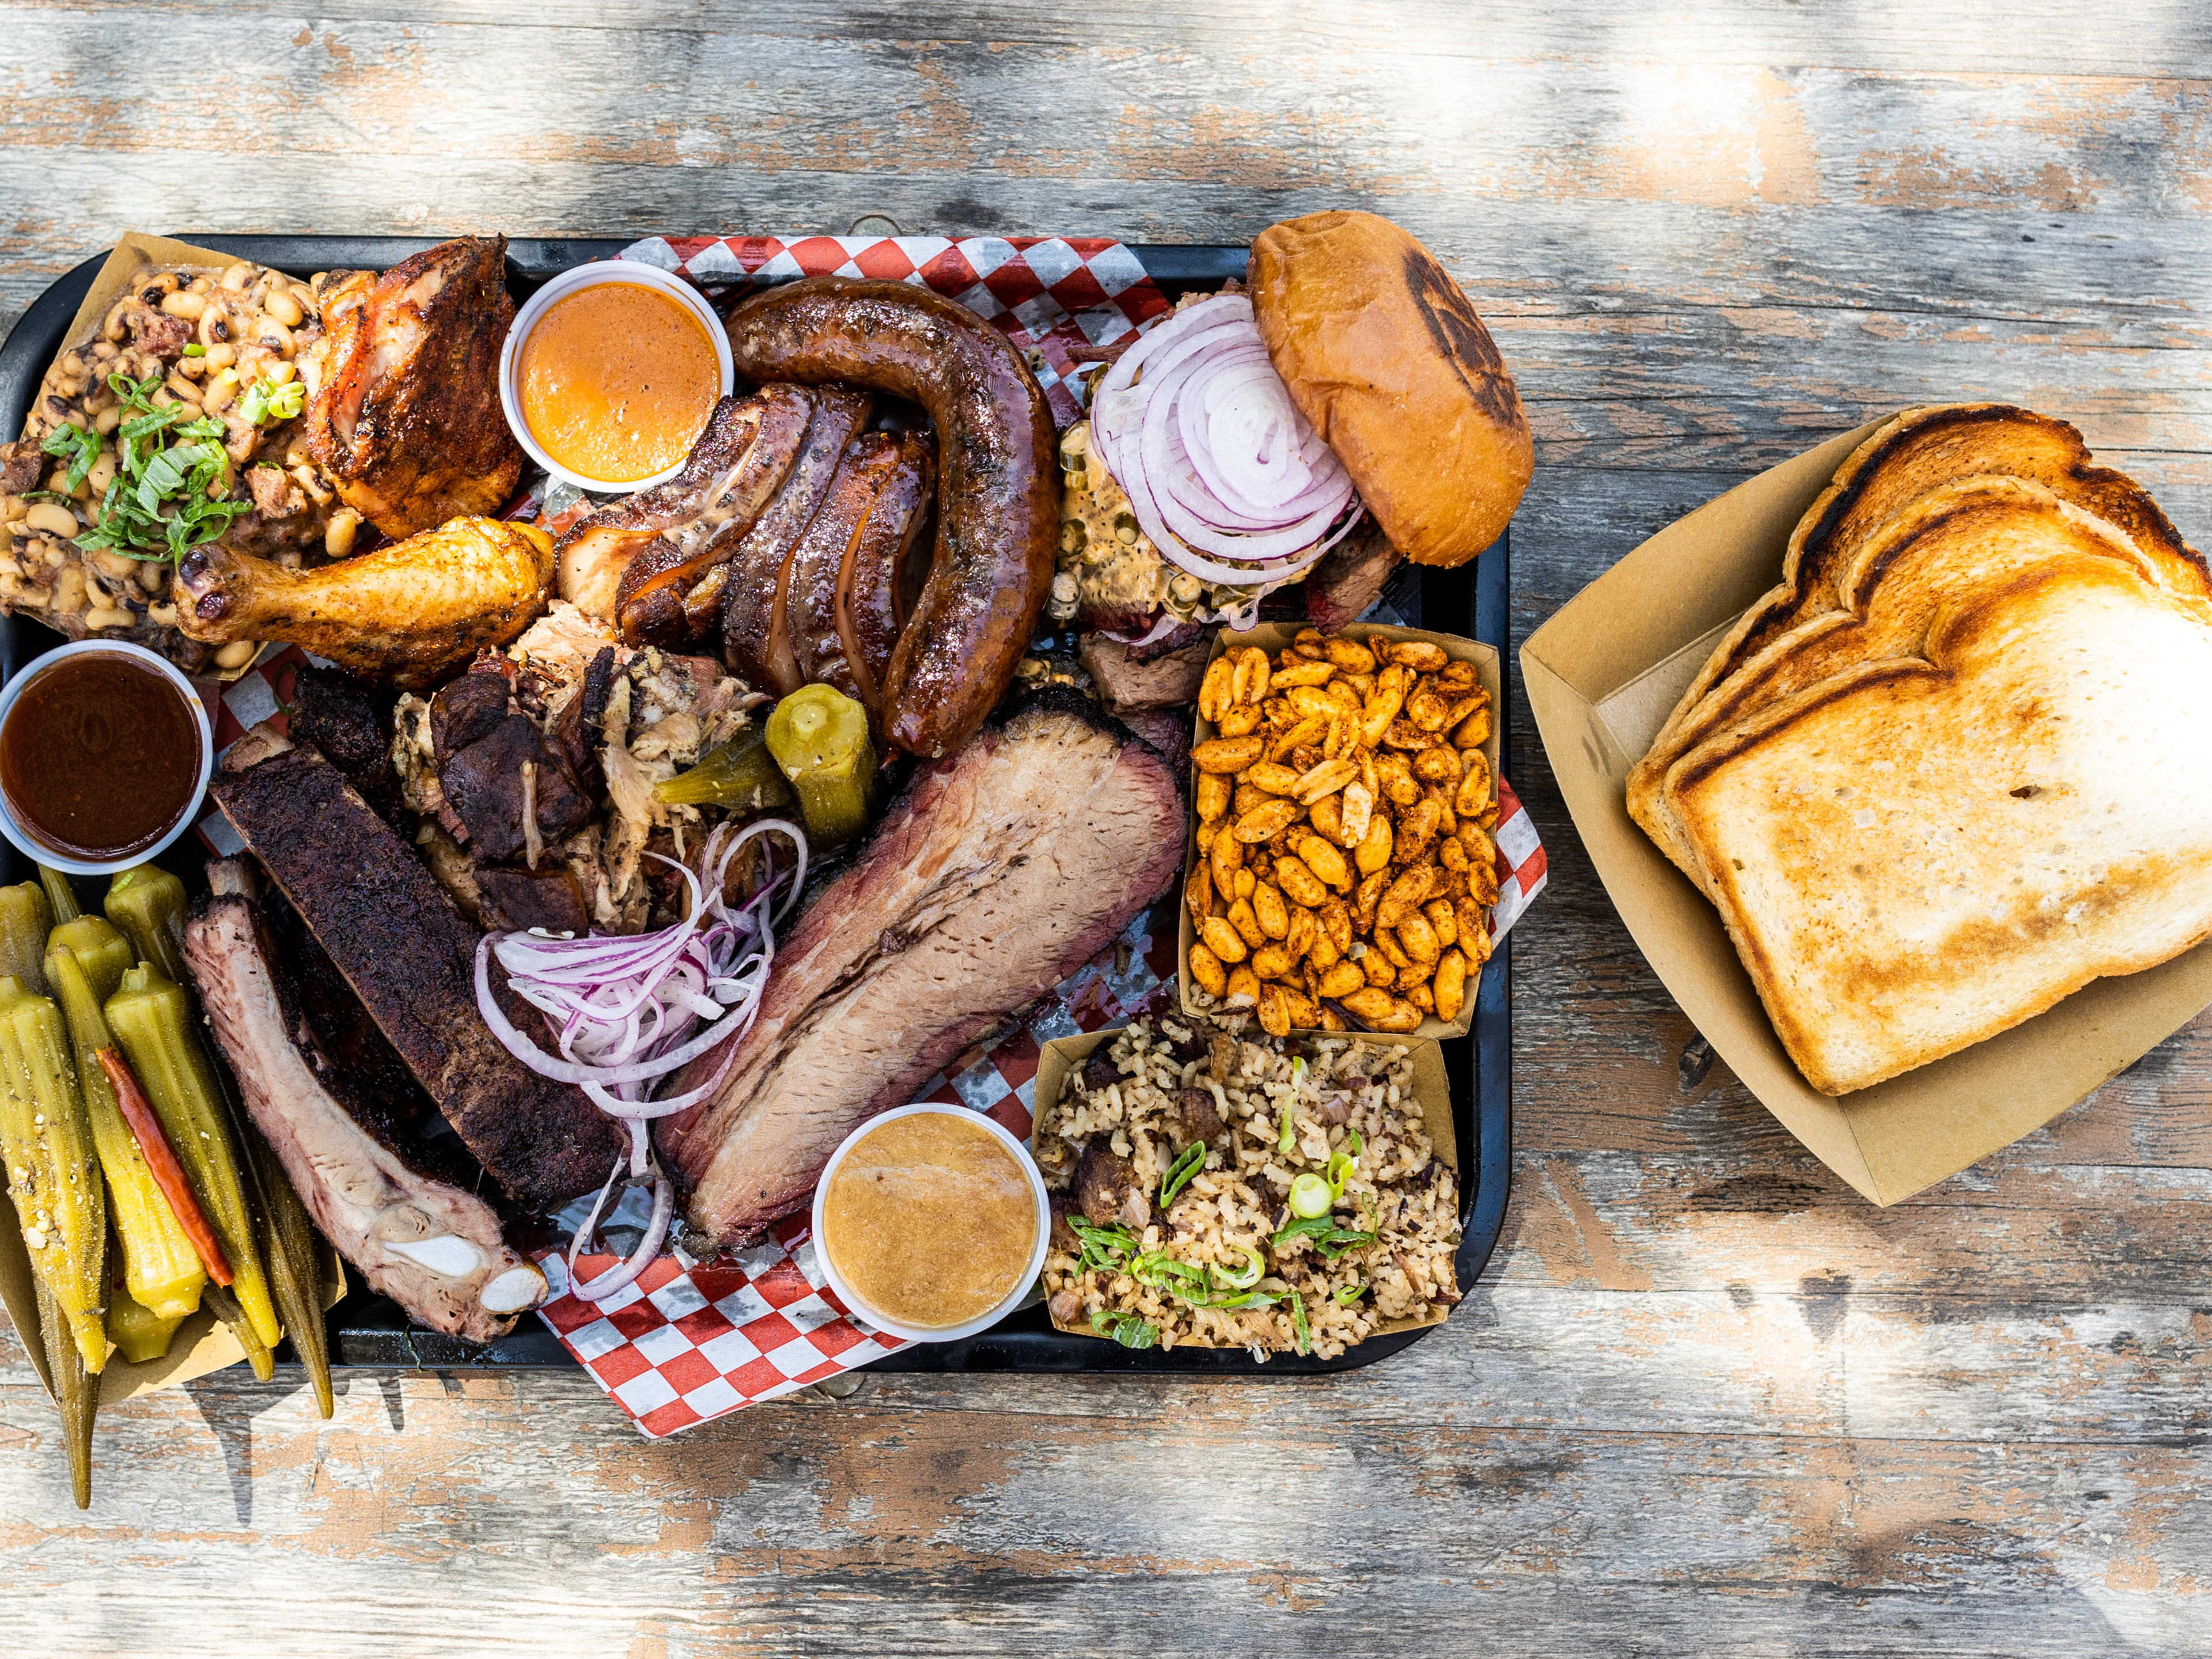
(741, 776)
(26, 919)
(151, 1019)
(86, 960)
(76, 1395)
(53, 1171)
(819, 737)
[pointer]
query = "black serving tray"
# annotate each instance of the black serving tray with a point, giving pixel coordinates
(370, 1330)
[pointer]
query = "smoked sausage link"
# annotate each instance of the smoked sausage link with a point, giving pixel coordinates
(998, 521)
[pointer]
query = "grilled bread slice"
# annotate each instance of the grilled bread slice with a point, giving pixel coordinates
(1922, 852)
(1921, 450)
(1932, 556)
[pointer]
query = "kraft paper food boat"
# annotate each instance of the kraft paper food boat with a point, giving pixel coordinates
(1602, 676)
(1431, 1087)
(1272, 637)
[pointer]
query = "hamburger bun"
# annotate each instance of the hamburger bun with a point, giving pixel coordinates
(1385, 356)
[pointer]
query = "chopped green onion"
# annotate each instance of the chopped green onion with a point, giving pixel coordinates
(1341, 1241)
(196, 350)
(1298, 1322)
(1125, 1329)
(1255, 1265)
(1250, 1299)
(1108, 1248)
(1287, 1141)
(1350, 1294)
(1188, 1163)
(1311, 1196)
(265, 402)
(1312, 1227)
(1341, 1168)
(83, 448)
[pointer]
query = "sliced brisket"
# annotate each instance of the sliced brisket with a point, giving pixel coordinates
(411, 959)
(1003, 868)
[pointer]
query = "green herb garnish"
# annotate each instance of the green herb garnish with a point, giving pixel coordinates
(1328, 1238)
(165, 467)
(1125, 1329)
(1188, 1163)
(196, 350)
(1298, 1323)
(1311, 1195)
(266, 401)
(1256, 1266)
(1350, 1293)
(80, 445)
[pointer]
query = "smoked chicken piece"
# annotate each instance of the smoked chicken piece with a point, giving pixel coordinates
(407, 615)
(754, 641)
(646, 552)
(841, 607)
(404, 412)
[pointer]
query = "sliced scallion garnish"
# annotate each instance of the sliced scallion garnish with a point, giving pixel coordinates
(1188, 1163)
(1311, 1196)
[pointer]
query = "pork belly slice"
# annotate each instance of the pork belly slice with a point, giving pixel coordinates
(411, 959)
(1004, 868)
(432, 1248)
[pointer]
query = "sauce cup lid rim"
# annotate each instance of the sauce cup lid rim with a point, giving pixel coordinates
(1023, 1157)
(30, 846)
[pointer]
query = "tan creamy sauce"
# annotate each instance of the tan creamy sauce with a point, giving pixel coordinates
(930, 1219)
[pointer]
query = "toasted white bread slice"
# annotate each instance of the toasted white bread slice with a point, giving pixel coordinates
(1955, 538)
(1921, 853)
(1915, 453)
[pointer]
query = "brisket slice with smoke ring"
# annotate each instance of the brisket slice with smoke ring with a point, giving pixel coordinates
(1004, 868)
(411, 959)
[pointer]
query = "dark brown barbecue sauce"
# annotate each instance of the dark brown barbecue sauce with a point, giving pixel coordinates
(100, 757)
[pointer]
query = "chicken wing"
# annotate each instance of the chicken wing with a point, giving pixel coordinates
(405, 410)
(409, 614)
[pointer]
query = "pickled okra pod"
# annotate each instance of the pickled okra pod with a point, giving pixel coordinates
(26, 918)
(76, 1396)
(151, 1019)
(59, 895)
(86, 960)
(138, 1333)
(819, 737)
(53, 1171)
(147, 903)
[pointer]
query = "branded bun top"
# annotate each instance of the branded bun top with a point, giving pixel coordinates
(1386, 358)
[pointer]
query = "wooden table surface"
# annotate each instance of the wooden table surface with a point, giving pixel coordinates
(1706, 1400)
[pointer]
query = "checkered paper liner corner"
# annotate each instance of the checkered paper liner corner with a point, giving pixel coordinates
(1046, 294)
(694, 1340)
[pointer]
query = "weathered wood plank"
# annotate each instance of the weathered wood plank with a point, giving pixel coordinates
(1708, 1402)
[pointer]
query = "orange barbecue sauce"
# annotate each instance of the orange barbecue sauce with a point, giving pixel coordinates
(931, 1220)
(618, 381)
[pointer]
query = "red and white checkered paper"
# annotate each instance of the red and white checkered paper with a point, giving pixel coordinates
(1045, 293)
(692, 1341)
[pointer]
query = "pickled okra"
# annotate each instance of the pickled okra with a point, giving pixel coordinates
(76, 1397)
(150, 1018)
(138, 1333)
(26, 918)
(147, 903)
(741, 776)
(819, 737)
(53, 1171)
(86, 960)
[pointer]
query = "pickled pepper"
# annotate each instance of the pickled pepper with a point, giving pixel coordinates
(53, 1172)
(819, 737)
(86, 960)
(26, 918)
(741, 776)
(151, 1019)
(76, 1395)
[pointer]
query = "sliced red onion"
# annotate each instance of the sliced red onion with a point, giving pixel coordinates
(627, 1012)
(625, 1272)
(1226, 476)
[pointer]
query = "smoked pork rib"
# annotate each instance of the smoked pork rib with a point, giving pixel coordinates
(1000, 872)
(431, 1245)
(411, 960)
